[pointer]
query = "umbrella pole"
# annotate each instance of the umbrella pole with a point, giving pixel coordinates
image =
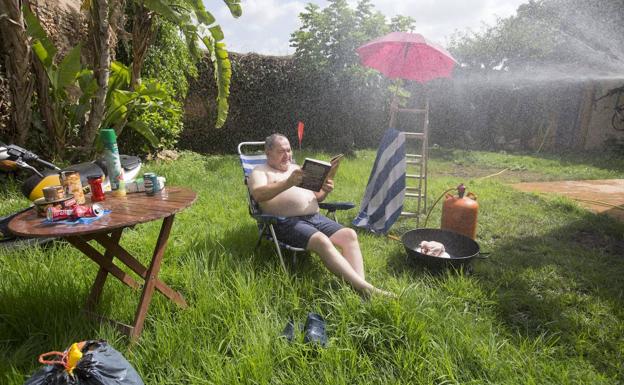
(394, 104)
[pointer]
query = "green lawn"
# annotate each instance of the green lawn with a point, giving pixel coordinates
(547, 307)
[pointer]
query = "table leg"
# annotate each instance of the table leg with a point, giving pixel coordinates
(136, 266)
(100, 279)
(151, 277)
(98, 258)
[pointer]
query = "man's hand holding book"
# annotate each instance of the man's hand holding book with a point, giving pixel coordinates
(318, 174)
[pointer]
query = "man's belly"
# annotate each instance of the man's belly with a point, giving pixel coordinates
(293, 202)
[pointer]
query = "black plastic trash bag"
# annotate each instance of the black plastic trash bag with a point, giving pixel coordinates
(86, 363)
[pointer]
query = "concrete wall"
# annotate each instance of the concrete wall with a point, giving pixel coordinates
(598, 129)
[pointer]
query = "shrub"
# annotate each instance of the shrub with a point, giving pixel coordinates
(165, 123)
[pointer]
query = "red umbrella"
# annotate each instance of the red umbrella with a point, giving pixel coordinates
(407, 56)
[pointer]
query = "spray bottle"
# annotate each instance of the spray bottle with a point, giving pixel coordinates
(113, 163)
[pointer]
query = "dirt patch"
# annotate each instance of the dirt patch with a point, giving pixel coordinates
(603, 196)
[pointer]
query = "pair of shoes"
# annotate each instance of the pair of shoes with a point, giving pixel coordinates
(289, 331)
(313, 330)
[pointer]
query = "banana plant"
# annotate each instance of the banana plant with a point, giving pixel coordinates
(60, 78)
(70, 78)
(121, 102)
(197, 25)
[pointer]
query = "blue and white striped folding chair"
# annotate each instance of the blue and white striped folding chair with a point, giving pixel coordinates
(252, 154)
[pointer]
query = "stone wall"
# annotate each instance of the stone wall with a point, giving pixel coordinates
(63, 21)
(599, 130)
(66, 26)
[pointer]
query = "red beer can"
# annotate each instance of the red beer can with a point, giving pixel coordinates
(95, 210)
(78, 211)
(58, 214)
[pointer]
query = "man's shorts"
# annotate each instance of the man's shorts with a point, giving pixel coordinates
(296, 231)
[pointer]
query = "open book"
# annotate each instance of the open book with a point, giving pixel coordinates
(316, 172)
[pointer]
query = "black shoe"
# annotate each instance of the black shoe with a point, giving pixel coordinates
(314, 330)
(289, 331)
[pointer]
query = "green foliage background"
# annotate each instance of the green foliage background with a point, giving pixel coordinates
(342, 104)
(521, 104)
(170, 62)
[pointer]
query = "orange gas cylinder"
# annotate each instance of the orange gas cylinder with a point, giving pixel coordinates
(459, 213)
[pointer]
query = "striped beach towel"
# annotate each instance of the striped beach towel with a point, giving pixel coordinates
(383, 198)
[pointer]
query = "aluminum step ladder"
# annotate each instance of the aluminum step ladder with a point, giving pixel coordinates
(416, 154)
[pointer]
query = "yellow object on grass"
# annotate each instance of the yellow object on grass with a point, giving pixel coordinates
(73, 356)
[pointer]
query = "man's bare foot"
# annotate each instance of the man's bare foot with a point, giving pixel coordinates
(376, 291)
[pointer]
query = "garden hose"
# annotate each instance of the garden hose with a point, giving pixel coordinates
(491, 175)
(599, 203)
(435, 203)
(395, 238)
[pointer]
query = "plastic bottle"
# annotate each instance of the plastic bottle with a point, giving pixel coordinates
(113, 163)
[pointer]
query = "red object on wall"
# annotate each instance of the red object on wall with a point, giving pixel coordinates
(300, 132)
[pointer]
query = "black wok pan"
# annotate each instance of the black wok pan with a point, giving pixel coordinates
(462, 249)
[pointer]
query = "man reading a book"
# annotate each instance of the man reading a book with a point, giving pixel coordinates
(274, 186)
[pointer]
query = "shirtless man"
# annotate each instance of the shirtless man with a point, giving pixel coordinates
(274, 186)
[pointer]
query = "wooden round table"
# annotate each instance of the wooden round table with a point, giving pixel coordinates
(125, 212)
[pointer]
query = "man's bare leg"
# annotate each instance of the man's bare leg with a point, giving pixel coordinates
(347, 240)
(337, 264)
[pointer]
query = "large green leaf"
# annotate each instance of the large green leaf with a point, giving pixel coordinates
(116, 106)
(216, 32)
(88, 87)
(45, 50)
(120, 75)
(235, 7)
(163, 9)
(87, 83)
(152, 91)
(203, 16)
(42, 54)
(119, 79)
(143, 129)
(69, 68)
(223, 74)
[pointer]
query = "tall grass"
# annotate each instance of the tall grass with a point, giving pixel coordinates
(545, 308)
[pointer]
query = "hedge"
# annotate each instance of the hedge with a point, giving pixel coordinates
(270, 94)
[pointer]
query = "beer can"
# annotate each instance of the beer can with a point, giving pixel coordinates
(150, 181)
(58, 214)
(95, 210)
(78, 211)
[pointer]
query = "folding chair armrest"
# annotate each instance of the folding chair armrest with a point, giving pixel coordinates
(268, 219)
(333, 206)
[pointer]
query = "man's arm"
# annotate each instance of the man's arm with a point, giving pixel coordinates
(262, 190)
